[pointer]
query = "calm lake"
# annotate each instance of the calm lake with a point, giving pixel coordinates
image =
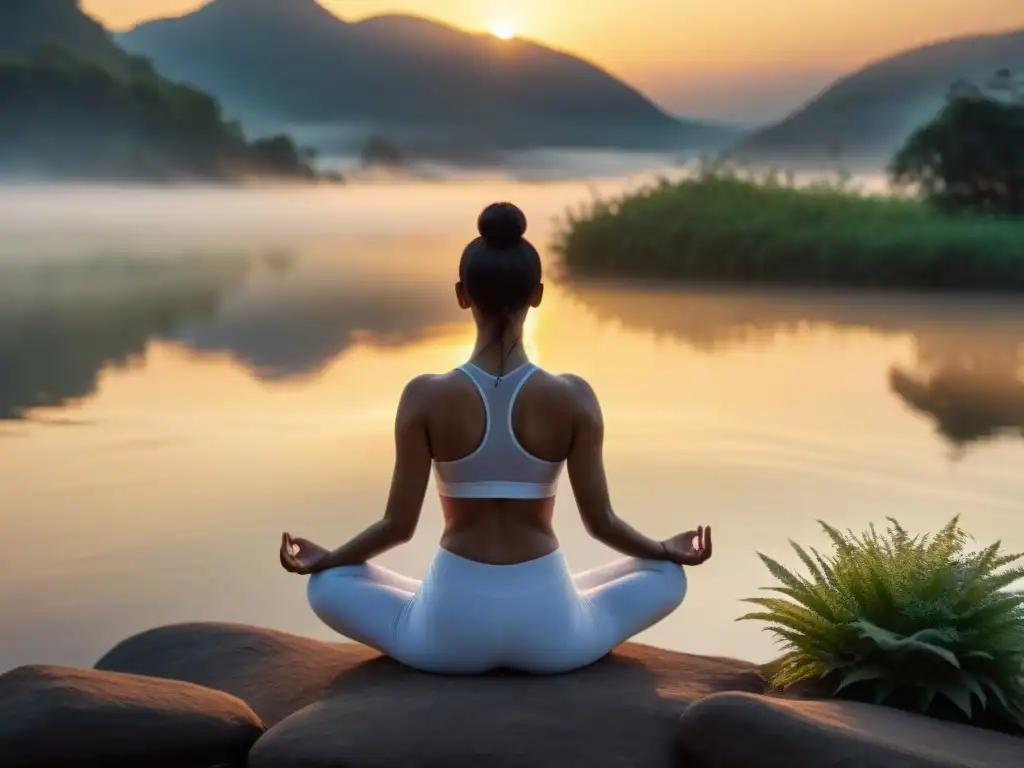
(185, 374)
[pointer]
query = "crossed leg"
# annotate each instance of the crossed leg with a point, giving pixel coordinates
(364, 603)
(427, 627)
(629, 595)
(371, 605)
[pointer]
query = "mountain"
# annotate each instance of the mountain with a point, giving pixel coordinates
(29, 25)
(74, 105)
(293, 62)
(869, 114)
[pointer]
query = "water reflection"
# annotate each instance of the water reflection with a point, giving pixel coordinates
(282, 327)
(966, 377)
(64, 322)
(968, 384)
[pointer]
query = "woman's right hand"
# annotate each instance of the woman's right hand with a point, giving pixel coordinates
(301, 556)
(689, 548)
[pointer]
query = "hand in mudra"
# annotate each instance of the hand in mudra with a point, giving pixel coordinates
(691, 547)
(301, 556)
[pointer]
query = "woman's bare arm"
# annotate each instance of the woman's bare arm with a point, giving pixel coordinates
(408, 484)
(590, 484)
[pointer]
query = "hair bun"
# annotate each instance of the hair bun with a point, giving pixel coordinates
(502, 225)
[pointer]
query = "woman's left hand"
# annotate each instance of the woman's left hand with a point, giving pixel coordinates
(691, 547)
(301, 556)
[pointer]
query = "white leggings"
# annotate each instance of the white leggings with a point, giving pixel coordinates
(467, 617)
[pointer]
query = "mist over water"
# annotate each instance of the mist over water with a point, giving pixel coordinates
(186, 372)
(44, 219)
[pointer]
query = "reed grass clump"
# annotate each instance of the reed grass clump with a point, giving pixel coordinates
(720, 227)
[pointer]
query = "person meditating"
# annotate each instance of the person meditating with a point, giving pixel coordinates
(497, 431)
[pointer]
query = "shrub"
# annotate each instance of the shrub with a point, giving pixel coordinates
(720, 227)
(908, 621)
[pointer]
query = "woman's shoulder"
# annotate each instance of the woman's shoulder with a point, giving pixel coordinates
(571, 387)
(427, 385)
(568, 389)
(568, 381)
(429, 391)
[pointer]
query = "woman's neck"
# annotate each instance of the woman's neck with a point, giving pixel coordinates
(497, 357)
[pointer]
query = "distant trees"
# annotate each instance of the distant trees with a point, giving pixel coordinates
(971, 155)
(279, 156)
(67, 116)
(381, 151)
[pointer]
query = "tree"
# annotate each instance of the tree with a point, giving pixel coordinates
(381, 151)
(70, 117)
(1004, 82)
(280, 155)
(971, 155)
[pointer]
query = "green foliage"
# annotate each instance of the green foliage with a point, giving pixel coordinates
(28, 25)
(907, 620)
(76, 118)
(278, 156)
(718, 226)
(382, 151)
(971, 155)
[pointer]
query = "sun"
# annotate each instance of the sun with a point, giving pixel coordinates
(503, 30)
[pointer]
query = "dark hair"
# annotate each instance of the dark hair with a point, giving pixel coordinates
(500, 270)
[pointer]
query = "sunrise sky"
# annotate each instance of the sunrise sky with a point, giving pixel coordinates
(737, 59)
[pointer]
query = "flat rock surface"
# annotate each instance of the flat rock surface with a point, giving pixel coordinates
(74, 717)
(355, 708)
(737, 730)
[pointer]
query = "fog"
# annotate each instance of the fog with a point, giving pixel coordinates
(48, 219)
(51, 220)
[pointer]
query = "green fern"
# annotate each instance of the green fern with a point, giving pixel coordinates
(906, 618)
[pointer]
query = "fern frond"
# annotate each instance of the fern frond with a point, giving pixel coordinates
(911, 617)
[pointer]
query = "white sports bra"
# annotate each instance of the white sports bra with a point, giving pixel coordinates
(500, 468)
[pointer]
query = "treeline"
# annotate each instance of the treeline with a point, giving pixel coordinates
(65, 116)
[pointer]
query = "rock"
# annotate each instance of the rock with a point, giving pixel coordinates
(273, 672)
(72, 717)
(354, 708)
(620, 712)
(782, 733)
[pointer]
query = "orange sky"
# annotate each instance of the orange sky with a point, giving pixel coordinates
(731, 58)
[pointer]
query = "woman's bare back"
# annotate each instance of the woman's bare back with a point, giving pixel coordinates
(544, 416)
